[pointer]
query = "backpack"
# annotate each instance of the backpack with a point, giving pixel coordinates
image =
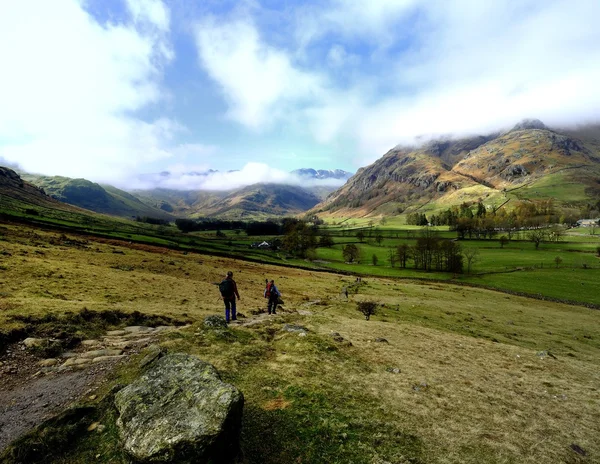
(268, 290)
(226, 287)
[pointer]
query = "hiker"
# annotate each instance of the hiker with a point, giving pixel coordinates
(273, 294)
(229, 291)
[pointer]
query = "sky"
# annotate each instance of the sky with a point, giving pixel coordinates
(117, 91)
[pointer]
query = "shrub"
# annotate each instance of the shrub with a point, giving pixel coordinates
(368, 308)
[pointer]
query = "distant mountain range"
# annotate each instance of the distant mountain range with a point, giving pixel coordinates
(322, 173)
(529, 162)
(258, 200)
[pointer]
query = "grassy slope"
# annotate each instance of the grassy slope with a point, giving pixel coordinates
(103, 199)
(471, 386)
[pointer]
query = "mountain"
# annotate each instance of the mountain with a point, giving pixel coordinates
(20, 194)
(99, 198)
(258, 200)
(528, 162)
(322, 174)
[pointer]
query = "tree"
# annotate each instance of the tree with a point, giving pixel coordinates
(375, 259)
(368, 308)
(503, 241)
(379, 238)
(472, 255)
(383, 221)
(403, 254)
(536, 236)
(351, 253)
(360, 235)
(325, 240)
(392, 257)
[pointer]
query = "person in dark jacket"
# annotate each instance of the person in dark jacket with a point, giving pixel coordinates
(229, 295)
(273, 294)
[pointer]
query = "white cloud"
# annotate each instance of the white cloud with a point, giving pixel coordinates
(457, 67)
(69, 88)
(199, 177)
(153, 11)
(260, 82)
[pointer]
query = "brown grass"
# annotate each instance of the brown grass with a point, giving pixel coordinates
(483, 377)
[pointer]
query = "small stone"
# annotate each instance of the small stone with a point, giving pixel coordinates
(90, 342)
(380, 340)
(101, 428)
(295, 328)
(97, 353)
(393, 370)
(72, 362)
(93, 426)
(116, 333)
(154, 352)
(137, 329)
(302, 334)
(93, 397)
(48, 362)
(108, 358)
(31, 342)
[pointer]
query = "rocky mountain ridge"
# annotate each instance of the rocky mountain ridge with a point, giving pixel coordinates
(450, 171)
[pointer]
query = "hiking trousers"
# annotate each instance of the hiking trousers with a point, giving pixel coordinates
(272, 305)
(230, 306)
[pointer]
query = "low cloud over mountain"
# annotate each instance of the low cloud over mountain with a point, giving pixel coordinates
(251, 173)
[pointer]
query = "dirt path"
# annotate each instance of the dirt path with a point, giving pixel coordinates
(33, 390)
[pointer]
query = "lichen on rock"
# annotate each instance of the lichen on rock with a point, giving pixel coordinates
(180, 411)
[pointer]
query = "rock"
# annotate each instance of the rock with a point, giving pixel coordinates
(215, 322)
(31, 342)
(108, 358)
(90, 342)
(97, 353)
(154, 352)
(578, 449)
(72, 362)
(48, 362)
(305, 312)
(93, 426)
(137, 329)
(295, 328)
(380, 340)
(393, 370)
(180, 411)
(129, 343)
(116, 333)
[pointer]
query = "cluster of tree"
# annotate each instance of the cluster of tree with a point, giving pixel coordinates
(151, 220)
(300, 238)
(194, 225)
(430, 252)
(417, 219)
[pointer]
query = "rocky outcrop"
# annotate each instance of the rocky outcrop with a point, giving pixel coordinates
(180, 411)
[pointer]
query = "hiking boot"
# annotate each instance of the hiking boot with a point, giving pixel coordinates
(234, 318)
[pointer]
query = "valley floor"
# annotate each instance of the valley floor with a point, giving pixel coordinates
(441, 374)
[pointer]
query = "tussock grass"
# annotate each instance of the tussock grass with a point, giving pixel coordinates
(466, 376)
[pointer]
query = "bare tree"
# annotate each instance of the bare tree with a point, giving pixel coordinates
(472, 256)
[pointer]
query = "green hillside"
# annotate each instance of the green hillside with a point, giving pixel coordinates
(99, 198)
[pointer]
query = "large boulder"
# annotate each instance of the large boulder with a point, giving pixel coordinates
(180, 411)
